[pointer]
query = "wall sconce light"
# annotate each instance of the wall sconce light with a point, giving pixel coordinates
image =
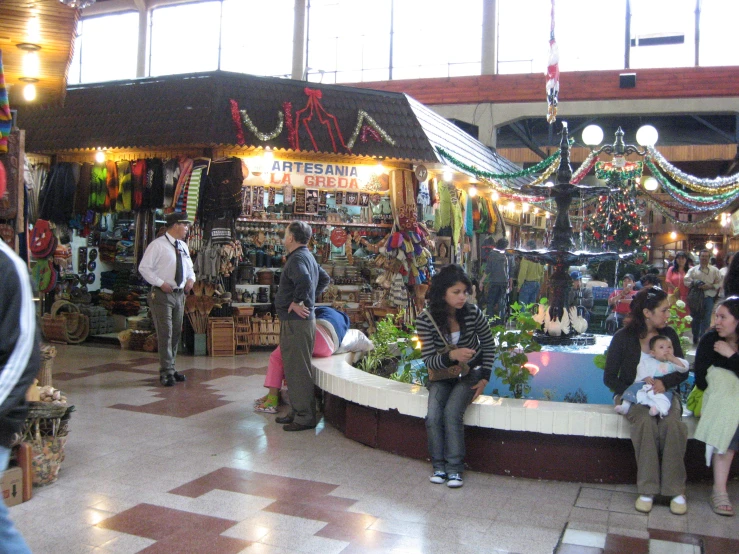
(29, 92)
(673, 235)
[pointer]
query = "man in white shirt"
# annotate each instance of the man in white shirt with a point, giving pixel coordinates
(711, 281)
(167, 267)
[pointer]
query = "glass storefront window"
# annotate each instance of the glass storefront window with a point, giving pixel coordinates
(105, 49)
(184, 38)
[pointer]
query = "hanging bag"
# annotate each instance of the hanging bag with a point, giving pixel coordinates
(695, 299)
(460, 369)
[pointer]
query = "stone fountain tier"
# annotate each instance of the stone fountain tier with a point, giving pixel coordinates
(560, 284)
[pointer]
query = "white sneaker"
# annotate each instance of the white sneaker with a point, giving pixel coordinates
(438, 477)
(454, 481)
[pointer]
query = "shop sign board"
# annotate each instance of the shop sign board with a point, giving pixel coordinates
(320, 175)
(735, 223)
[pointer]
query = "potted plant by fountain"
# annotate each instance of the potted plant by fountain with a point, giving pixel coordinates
(395, 348)
(514, 345)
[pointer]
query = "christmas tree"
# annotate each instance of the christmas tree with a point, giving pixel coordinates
(616, 226)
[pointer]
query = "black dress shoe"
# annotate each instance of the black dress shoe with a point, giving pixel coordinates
(284, 419)
(179, 377)
(298, 427)
(166, 380)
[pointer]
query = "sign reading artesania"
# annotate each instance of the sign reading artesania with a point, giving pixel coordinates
(315, 174)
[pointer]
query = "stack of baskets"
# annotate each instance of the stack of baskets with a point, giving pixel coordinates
(100, 322)
(265, 331)
(65, 323)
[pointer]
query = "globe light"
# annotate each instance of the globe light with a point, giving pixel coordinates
(100, 156)
(650, 183)
(673, 235)
(709, 245)
(647, 135)
(472, 192)
(592, 135)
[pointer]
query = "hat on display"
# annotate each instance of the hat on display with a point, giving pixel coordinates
(576, 275)
(176, 217)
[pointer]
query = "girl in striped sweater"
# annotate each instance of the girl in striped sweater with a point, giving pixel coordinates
(465, 327)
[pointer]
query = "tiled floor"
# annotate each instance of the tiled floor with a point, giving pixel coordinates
(194, 469)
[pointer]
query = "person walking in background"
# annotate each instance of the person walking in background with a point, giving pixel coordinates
(659, 442)
(452, 332)
(723, 272)
(331, 327)
(529, 278)
(497, 280)
(20, 360)
(302, 280)
(707, 278)
(580, 297)
(168, 268)
(675, 279)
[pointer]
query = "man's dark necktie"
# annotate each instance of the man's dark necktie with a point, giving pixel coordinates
(178, 268)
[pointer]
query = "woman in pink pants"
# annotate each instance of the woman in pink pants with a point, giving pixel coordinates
(331, 326)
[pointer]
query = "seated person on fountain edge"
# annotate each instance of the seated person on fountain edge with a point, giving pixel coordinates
(620, 303)
(661, 361)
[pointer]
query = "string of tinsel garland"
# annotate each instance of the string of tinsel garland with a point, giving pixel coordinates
(606, 170)
(691, 207)
(542, 165)
(511, 193)
(264, 137)
(657, 204)
(361, 117)
(546, 174)
(717, 185)
(584, 168)
(696, 202)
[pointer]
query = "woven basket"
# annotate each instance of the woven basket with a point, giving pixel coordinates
(38, 410)
(54, 329)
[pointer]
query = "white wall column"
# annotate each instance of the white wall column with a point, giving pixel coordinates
(489, 37)
(142, 39)
(300, 39)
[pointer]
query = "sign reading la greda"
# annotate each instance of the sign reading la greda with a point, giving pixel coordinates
(322, 175)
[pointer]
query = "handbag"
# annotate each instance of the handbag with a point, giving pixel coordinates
(460, 369)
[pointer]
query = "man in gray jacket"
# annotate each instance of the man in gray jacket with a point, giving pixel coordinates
(302, 280)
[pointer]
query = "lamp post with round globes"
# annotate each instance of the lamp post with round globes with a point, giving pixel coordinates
(646, 136)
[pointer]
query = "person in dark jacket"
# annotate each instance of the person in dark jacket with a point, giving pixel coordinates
(301, 281)
(659, 443)
(19, 364)
(465, 327)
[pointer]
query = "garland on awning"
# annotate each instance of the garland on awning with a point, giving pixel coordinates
(710, 186)
(584, 168)
(480, 174)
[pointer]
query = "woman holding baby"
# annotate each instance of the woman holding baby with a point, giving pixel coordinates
(659, 441)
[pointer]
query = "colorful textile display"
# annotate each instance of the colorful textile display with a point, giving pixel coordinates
(5, 117)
